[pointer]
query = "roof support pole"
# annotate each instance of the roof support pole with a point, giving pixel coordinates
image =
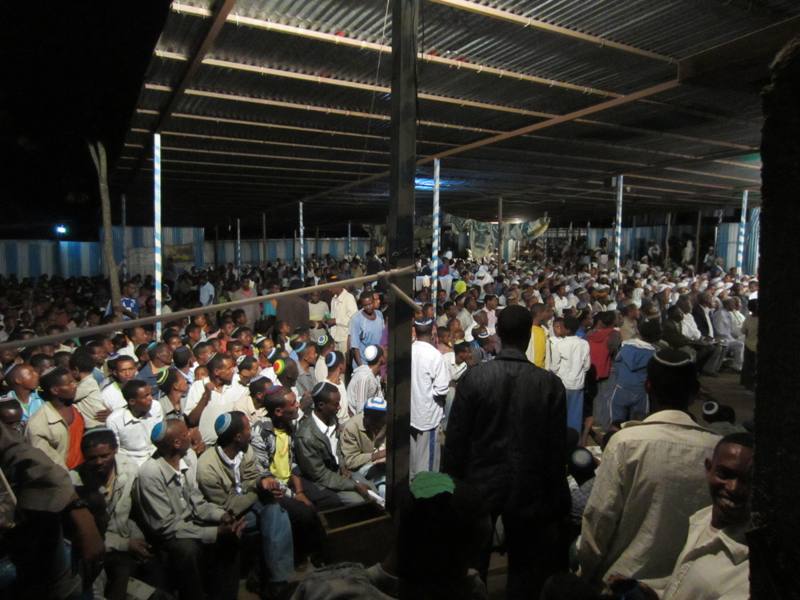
(618, 226)
(216, 245)
(263, 237)
(697, 240)
(350, 239)
(435, 241)
(401, 242)
(302, 242)
(124, 221)
(157, 225)
(666, 239)
(740, 238)
(499, 231)
(239, 246)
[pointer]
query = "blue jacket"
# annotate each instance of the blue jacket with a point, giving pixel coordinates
(630, 364)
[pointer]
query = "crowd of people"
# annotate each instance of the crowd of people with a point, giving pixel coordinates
(549, 418)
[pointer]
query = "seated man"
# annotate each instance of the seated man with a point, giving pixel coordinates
(365, 382)
(364, 443)
(111, 476)
(133, 424)
(714, 562)
(318, 450)
(229, 477)
(123, 369)
(57, 428)
(180, 523)
(24, 380)
(88, 398)
(647, 486)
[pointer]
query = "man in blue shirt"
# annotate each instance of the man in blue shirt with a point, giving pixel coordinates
(366, 328)
(23, 380)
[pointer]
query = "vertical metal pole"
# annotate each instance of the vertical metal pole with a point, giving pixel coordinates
(124, 221)
(435, 241)
(697, 241)
(546, 235)
(239, 246)
(350, 239)
(740, 239)
(317, 245)
(666, 239)
(499, 231)
(401, 242)
(618, 228)
(263, 237)
(157, 224)
(302, 243)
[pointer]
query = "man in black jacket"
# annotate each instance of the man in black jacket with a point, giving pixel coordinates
(506, 435)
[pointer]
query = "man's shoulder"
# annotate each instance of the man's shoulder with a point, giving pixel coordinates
(150, 469)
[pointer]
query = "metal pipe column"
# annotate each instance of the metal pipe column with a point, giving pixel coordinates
(157, 224)
(302, 244)
(618, 227)
(666, 240)
(697, 241)
(499, 231)
(350, 239)
(124, 221)
(435, 241)
(401, 243)
(239, 246)
(740, 238)
(263, 237)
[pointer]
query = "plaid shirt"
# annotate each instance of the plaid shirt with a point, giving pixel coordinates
(264, 445)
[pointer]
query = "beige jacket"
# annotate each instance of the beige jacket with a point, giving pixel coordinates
(217, 482)
(357, 446)
(89, 401)
(50, 433)
(650, 481)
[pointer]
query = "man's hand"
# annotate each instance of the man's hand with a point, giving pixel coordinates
(363, 490)
(273, 486)
(102, 415)
(210, 387)
(226, 519)
(301, 497)
(88, 540)
(231, 529)
(378, 455)
(140, 548)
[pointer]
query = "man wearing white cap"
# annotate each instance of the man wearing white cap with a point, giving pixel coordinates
(364, 443)
(364, 383)
(430, 381)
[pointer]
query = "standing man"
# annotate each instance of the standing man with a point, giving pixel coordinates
(430, 381)
(537, 348)
(649, 482)
(506, 435)
(366, 328)
(206, 290)
(570, 360)
(343, 309)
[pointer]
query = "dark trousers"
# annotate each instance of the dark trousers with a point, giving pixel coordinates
(196, 568)
(322, 498)
(121, 566)
(748, 378)
(306, 527)
(536, 550)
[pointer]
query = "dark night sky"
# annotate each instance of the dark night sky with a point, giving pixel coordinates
(71, 72)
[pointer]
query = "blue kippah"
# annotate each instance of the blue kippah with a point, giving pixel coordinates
(330, 360)
(222, 423)
(159, 432)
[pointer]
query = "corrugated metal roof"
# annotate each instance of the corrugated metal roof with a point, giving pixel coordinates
(292, 99)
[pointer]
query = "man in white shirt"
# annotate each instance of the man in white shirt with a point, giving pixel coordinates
(649, 481)
(209, 398)
(343, 308)
(570, 360)
(714, 562)
(430, 381)
(365, 384)
(725, 330)
(206, 290)
(123, 369)
(133, 424)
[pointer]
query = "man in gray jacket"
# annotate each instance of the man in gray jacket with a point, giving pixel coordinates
(183, 525)
(318, 450)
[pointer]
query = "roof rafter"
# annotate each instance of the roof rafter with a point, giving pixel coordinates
(532, 23)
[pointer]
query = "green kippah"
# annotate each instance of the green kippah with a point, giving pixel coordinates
(428, 484)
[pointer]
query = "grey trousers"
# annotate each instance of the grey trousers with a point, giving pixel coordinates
(425, 453)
